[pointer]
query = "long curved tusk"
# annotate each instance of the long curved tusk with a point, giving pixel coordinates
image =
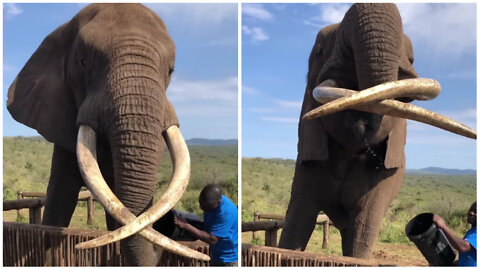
(397, 109)
(86, 155)
(417, 88)
(181, 175)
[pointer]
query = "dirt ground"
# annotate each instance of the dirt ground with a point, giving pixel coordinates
(399, 254)
(385, 253)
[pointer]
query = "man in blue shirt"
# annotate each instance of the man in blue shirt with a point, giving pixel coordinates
(220, 221)
(467, 247)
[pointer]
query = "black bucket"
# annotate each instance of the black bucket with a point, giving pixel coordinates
(430, 240)
(167, 227)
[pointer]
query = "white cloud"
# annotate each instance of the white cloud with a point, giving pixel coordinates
(223, 90)
(257, 34)
(466, 74)
(249, 90)
(329, 14)
(289, 104)
(198, 16)
(287, 120)
(223, 41)
(464, 115)
(207, 111)
(211, 100)
(467, 117)
(333, 13)
(313, 24)
(10, 68)
(443, 28)
(13, 9)
(259, 110)
(257, 11)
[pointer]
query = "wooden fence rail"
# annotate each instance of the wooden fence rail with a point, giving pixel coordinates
(322, 219)
(34, 208)
(82, 196)
(270, 228)
(27, 245)
(270, 256)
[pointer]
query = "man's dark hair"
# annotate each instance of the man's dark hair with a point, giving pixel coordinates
(211, 193)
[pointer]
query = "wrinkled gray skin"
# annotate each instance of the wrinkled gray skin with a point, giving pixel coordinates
(108, 68)
(351, 164)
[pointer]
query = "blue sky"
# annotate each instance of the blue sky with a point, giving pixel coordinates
(204, 85)
(276, 43)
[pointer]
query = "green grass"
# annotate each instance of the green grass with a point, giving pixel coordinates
(27, 161)
(266, 185)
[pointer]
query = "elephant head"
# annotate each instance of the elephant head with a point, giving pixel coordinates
(368, 48)
(103, 75)
(351, 159)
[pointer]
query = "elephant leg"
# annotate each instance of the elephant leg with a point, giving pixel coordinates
(62, 194)
(303, 208)
(63, 188)
(106, 167)
(366, 216)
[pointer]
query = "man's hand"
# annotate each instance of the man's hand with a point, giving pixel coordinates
(202, 235)
(180, 222)
(439, 221)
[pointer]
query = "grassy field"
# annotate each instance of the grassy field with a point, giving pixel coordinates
(266, 187)
(26, 167)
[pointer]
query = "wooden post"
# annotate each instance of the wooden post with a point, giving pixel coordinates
(326, 234)
(271, 238)
(35, 214)
(256, 217)
(90, 211)
(19, 197)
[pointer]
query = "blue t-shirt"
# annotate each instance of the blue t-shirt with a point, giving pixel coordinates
(469, 258)
(223, 223)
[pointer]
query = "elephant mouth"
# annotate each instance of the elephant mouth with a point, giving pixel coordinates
(86, 154)
(380, 100)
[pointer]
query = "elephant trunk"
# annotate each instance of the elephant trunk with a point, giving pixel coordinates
(376, 41)
(137, 119)
(135, 140)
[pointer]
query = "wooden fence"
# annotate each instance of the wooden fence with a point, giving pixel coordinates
(271, 228)
(82, 196)
(34, 208)
(26, 245)
(270, 256)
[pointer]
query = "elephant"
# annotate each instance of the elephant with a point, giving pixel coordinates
(351, 161)
(103, 75)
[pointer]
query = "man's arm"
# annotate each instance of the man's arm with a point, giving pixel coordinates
(458, 243)
(202, 235)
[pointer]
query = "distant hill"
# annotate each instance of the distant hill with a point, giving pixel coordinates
(194, 141)
(442, 171)
(266, 186)
(27, 162)
(199, 141)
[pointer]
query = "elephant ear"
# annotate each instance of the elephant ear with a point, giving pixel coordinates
(312, 137)
(395, 155)
(40, 98)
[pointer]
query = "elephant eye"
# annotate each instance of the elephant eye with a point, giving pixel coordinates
(171, 70)
(82, 62)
